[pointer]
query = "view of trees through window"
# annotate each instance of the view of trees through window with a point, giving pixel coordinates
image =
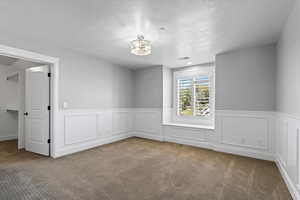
(193, 96)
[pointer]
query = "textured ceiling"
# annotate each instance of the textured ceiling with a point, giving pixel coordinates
(195, 28)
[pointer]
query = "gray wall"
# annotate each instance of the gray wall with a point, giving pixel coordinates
(167, 84)
(288, 72)
(85, 82)
(148, 87)
(246, 79)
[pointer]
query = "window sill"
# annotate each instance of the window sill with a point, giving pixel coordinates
(190, 125)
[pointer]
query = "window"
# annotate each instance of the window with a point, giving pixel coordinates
(194, 96)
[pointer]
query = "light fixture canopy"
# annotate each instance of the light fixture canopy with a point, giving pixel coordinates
(140, 46)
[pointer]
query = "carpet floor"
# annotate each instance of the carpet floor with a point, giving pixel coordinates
(138, 169)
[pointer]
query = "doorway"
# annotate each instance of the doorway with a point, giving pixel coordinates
(34, 105)
(25, 101)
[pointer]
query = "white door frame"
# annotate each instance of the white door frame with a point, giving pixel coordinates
(54, 68)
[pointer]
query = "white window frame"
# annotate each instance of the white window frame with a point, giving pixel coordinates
(189, 73)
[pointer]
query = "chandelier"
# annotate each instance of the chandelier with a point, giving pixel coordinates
(140, 46)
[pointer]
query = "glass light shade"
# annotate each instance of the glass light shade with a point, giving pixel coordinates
(140, 47)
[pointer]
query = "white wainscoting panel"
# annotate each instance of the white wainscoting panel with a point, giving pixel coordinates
(104, 123)
(185, 133)
(282, 140)
(189, 136)
(248, 133)
(148, 123)
(122, 122)
(84, 129)
(238, 132)
(292, 150)
(80, 128)
(287, 151)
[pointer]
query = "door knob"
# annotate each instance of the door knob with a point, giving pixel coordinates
(26, 113)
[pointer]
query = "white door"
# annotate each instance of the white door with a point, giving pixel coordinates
(36, 110)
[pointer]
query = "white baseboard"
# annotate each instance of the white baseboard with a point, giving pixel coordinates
(243, 152)
(292, 188)
(89, 145)
(147, 135)
(8, 137)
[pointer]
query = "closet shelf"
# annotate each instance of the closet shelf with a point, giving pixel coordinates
(12, 108)
(14, 76)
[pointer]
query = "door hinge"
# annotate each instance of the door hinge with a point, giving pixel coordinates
(49, 141)
(49, 107)
(49, 74)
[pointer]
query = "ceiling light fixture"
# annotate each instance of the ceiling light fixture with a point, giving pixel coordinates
(140, 46)
(189, 63)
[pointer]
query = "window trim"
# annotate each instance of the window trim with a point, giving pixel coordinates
(192, 72)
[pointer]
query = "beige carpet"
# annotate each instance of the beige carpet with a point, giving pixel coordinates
(138, 169)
